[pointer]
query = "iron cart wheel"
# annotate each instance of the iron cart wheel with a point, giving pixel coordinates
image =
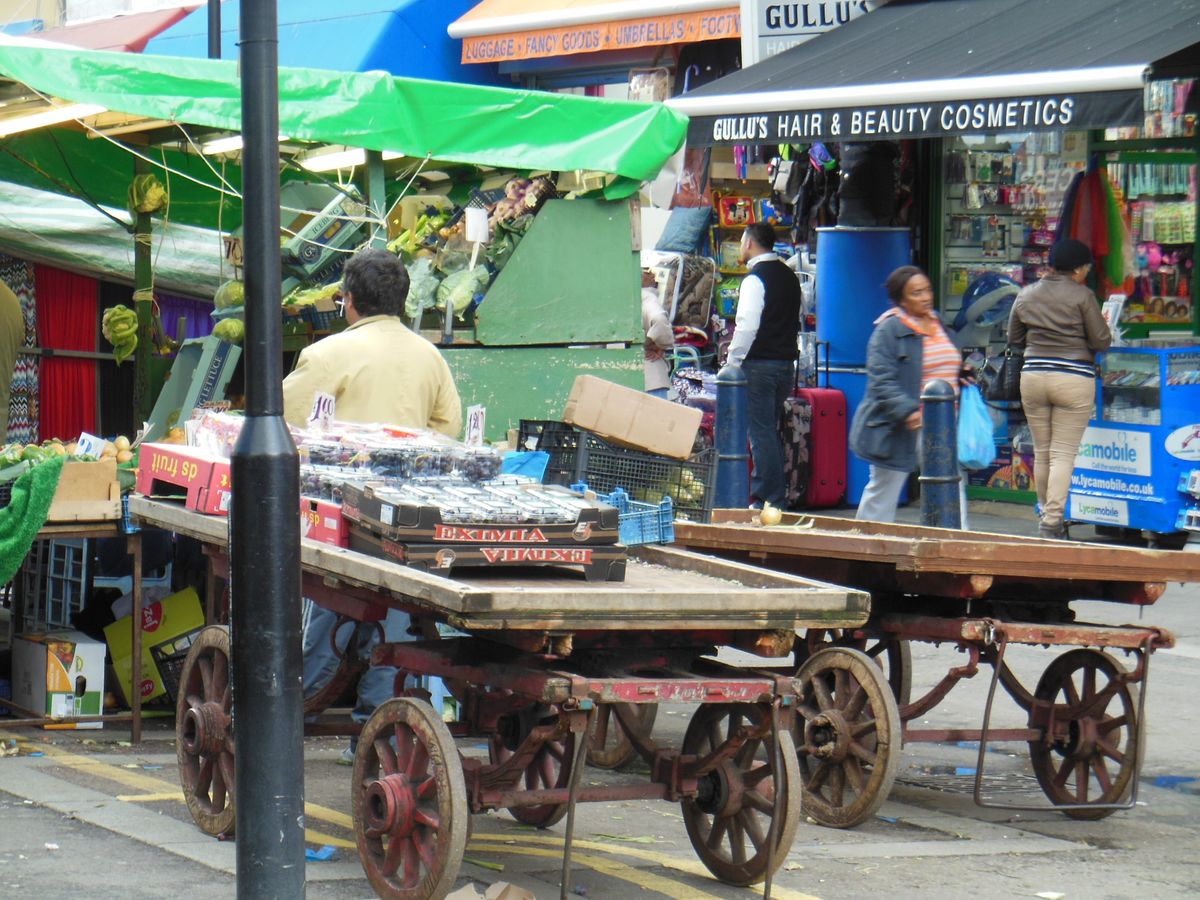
(409, 801)
(549, 768)
(204, 732)
(737, 800)
(847, 735)
(892, 655)
(609, 746)
(1088, 758)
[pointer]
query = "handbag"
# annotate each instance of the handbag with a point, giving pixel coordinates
(1001, 376)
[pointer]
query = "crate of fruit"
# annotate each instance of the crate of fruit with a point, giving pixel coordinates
(648, 477)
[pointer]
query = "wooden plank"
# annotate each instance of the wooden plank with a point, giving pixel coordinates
(918, 549)
(664, 588)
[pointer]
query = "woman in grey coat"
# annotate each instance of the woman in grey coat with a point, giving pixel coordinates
(908, 348)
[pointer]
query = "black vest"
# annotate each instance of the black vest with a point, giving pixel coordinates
(776, 338)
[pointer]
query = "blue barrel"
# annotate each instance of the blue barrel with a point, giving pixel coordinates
(852, 265)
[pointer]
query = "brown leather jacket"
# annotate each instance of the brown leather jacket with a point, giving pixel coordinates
(1057, 317)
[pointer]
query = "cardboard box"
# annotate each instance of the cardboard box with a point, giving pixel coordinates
(168, 628)
(321, 520)
(202, 480)
(87, 491)
(60, 674)
(631, 418)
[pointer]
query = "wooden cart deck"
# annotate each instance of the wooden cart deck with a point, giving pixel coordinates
(942, 562)
(664, 589)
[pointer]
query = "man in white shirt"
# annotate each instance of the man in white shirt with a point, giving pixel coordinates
(764, 345)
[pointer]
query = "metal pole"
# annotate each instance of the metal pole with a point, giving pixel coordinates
(264, 544)
(939, 457)
(214, 29)
(733, 474)
(377, 196)
(143, 304)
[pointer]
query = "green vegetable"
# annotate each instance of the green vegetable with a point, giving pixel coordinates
(232, 331)
(422, 285)
(146, 194)
(231, 293)
(460, 288)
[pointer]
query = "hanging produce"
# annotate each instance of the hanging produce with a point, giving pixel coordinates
(146, 194)
(119, 327)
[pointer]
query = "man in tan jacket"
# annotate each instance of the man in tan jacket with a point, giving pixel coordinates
(377, 370)
(12, 336)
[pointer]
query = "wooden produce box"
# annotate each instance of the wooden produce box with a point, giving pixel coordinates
(417, 523)
(604, 562)
(87, 492)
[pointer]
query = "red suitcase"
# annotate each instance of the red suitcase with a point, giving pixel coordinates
(826, 447)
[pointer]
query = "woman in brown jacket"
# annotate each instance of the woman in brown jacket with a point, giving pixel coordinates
(1058, 322)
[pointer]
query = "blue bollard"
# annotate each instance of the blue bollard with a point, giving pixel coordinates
(939, 457)
(733, 473)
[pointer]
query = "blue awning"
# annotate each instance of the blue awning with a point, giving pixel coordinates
(403, 37)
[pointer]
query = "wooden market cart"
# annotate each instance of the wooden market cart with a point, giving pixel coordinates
(544, 658)
(978, 593)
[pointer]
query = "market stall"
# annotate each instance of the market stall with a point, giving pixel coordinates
(994, 132)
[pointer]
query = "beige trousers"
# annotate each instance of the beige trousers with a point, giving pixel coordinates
(1057, 407)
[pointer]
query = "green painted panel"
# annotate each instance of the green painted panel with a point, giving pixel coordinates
(572, 280)
(515, 383)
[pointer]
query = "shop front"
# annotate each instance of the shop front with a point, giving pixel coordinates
(1011, 143)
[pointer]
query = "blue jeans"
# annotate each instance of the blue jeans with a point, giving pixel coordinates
(768, 383)
(321, 661)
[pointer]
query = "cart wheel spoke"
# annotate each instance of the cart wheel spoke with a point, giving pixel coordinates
(745, 756)
(1112, 724)
(1107, 749)
(610, 744)
(715, 739)
(757, 801)
(737, 841)
(856, 703)
(1102, 775)
(854, 775)
(863, 728)
(417, 763)
(752, 828)
(1072, 694)
(858, 751)
(819, 777)
(426, 849)
(393, 858)
(1081, 781)
(1089, 682)
(205, 664)
(806, 711)
(386, 756)
(821, 689)
(550, 767)
(427, 789)
(754, 776)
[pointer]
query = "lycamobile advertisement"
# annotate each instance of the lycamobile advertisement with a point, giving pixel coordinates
(1114, 450)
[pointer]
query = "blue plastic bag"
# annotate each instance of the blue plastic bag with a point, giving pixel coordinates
(976, 441)
(525, 462)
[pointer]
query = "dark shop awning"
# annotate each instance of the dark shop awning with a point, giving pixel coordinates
(950, 67)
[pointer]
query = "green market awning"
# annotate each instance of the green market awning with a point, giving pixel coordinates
(453, 122)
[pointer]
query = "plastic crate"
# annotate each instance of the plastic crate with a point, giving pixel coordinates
(640, 523)
(647, 476)
(320, 320)
(559, 440)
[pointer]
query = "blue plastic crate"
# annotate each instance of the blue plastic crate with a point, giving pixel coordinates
(128, 526)
(640, 523)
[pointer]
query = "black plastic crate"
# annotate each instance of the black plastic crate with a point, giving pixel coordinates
(560, 441)
(648, 477)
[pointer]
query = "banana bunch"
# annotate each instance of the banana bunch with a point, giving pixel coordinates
(119, 327)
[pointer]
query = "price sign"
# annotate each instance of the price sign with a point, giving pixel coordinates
(476, 420)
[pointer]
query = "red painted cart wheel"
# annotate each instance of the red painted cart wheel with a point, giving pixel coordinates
(609, 746)
(409, 801)
(729, 819)
(204, 732)
(892, 655)
(549, 768)
(847, 736)
(1090, 758)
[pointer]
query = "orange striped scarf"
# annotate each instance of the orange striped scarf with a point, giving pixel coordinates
(939, 357)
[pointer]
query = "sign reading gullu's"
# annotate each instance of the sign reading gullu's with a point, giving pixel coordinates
(942, 118)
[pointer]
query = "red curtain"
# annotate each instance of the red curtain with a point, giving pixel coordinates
(66, 305)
